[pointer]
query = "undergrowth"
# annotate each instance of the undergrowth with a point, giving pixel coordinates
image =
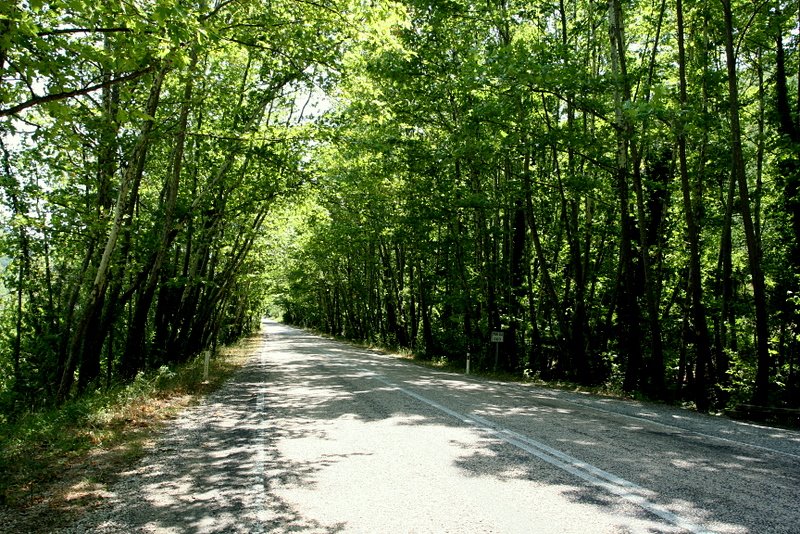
(46, 455)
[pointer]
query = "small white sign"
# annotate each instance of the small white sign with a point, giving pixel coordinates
(497, 337)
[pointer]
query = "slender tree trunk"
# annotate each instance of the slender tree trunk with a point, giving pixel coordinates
(761, 393)
(425, 311)
(394, 327)
(12, 189)
(724, 282)
(655, 365)
(106, 168)
(544, 271)
(698, 312)
(17, 345)
(535, 353)
(517, 279)
(135, 349)
(128, 190)
(629, 314)
(789, 169)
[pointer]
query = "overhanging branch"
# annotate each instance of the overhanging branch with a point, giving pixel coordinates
(38, 100)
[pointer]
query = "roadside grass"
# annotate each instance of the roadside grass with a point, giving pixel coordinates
(58, 463)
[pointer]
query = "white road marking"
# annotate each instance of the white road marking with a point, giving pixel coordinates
(587, 472)
(681, 429)
(637, 418)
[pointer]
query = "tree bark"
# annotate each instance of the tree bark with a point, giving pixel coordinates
(544, 270)
(12, 189)
(134, 353)
(698, 312)
(629, 314)
(128, 190)
(655, 365)
(761, 392)
(789, 169)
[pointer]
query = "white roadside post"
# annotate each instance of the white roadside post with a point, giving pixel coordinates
(206, 360)
(468, 363)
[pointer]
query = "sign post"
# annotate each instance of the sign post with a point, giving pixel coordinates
(497, 338)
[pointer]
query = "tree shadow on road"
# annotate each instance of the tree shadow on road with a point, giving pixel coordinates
(213, 471)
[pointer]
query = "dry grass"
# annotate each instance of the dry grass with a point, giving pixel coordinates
(59, 465)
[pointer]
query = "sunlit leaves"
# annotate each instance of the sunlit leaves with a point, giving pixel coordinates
(451, 113)
(230, 136)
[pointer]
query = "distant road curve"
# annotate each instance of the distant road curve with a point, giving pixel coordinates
(317, 436)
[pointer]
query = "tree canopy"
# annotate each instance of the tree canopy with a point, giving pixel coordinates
(613, 185)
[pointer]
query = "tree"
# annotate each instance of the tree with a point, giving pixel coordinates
(534, 167)
(138, 204)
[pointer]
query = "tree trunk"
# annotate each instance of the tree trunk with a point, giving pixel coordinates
(128, 190)
(629, 314)
(134, 353)
(698, 312)
(789, 168)
(655, 364)
(425, 311)
(544, 271)
(761, 393)
(517, 290)
(19, 211)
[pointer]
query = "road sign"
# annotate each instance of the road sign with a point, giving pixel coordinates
(497, 337)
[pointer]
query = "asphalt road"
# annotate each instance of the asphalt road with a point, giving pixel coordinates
(317, 436)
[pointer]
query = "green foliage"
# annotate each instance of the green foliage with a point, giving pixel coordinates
(143, 149)
(467, 185)
(484, 166)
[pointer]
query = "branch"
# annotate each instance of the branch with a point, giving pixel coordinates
(268, 140)
(83, 30)
(70, 94)
(217, 9)
(744, 30)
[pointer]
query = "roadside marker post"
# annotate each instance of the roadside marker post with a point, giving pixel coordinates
(207, 355)
(468, 363)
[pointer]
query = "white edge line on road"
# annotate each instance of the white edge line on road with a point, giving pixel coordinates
(587, 472)
(644, 419)
(611, 412)
(674, 427)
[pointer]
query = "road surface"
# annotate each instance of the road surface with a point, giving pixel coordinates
(317, 436)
